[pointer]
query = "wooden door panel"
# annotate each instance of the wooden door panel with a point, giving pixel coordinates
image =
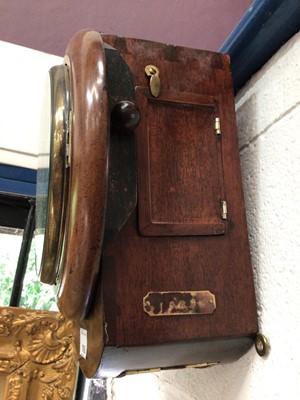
(180, 186)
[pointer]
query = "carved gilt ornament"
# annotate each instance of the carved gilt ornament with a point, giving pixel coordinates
(38, 359)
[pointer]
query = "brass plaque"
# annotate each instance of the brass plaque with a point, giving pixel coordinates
(158, 304)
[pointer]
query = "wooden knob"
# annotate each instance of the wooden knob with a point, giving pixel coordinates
(125, 116)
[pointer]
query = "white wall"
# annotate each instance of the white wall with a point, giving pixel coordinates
(268, 113)
(23, 75)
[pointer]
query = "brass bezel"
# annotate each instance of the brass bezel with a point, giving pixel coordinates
(58, 173)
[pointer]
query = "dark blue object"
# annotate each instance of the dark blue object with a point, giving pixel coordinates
(17, 180)
(266, 26)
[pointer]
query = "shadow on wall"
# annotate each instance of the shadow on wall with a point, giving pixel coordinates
(251, 168)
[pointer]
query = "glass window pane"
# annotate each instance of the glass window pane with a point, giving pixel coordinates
(36, 294)
(11, 240)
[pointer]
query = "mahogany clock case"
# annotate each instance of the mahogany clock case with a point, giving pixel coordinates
(179, 237)
(175, 284)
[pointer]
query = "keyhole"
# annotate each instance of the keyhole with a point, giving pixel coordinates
(153, 72)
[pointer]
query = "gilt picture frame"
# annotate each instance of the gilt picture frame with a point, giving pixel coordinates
(37, 355)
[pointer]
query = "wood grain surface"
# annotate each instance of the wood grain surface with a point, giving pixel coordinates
(179, 165)
(134, 265)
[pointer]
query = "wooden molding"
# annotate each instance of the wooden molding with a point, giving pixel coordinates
(87, 189)
(38, 359)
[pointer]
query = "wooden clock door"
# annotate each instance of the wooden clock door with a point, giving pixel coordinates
(180, 171)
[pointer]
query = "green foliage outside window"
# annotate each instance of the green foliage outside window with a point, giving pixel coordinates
(35, 295)
(6, 281)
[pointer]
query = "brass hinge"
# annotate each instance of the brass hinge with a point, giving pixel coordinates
(217, 126)
(224, 209)
(152, 370)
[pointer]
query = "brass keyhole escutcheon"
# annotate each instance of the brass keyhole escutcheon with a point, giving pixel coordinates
(153, 72)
